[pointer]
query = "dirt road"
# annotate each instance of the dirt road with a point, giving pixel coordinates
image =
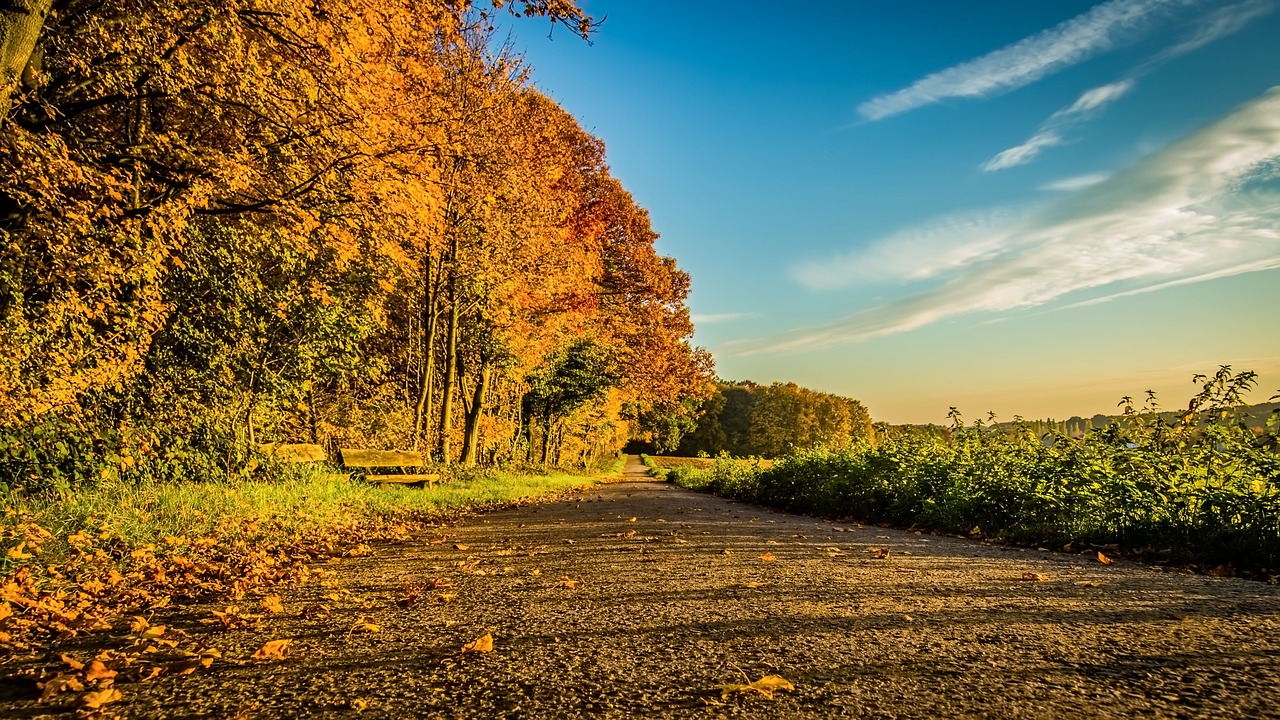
(638, 599)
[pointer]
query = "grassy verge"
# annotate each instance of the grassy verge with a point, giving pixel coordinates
(73, 563)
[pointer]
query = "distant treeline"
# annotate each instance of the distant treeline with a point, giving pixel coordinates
(746, 419)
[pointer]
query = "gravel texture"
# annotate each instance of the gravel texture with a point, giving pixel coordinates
(671, 598)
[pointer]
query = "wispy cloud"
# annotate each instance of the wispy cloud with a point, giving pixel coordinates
(1028, 60)
(1204, 207)
(713, 318)
(1217, 24)
(916, 253)
(1076, 182)
(1050, 133)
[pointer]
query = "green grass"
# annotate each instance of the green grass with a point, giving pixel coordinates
(308, 502)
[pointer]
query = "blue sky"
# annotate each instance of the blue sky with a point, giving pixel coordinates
(1028, 208)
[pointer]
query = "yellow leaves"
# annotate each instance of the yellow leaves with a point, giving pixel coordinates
(18, 552)
(96, 671)
(59, 684)
(767, 557)
(95, 700)
(1034, 577)
(273, 650)
(271, 604)
(460, 546)
(765, 687)
(565, 582)
(365, 624)
(482, 644)
(1104, 559)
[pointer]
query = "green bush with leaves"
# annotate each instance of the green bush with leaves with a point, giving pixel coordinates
(1200, 487)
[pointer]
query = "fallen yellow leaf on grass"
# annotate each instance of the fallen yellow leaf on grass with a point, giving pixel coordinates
(272, 604)
(1104, 559)
(366, 625)
(95, 700)
(567, 583)
(460, 546)
(768, 557)
(1034, 577)
(765, 687)
(481, 644)
(273, 650)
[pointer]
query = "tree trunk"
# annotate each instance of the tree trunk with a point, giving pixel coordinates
(450, 369)
(423, 409)
(20, 24)
(471, 436)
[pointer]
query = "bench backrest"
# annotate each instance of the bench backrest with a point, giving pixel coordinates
(294, 452)
(352, 457)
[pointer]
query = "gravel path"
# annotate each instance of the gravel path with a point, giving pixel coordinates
(670, 598)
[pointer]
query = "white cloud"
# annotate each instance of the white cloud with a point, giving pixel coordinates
(1096, 98)
(1218, 24)
(1203, 207)
(1024, 153)
(1077, 182)
(1026, 61)
(924, 251)
(1050, 133)
(712, 318)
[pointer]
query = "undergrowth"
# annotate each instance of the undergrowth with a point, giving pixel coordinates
(1202, 488)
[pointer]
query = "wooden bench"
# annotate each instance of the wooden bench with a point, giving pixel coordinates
(370, 459)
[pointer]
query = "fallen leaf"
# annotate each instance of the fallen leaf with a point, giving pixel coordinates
(768, 557)
(315, 610)
(765, 687)
(273, 650)
(880, 553)
(565, 582)
(75, 664)
(366, 625)
(272, 604)
(95, 700)
(1104, 559)
(97, 671)
(482, 644)
(1034, 577)
(59, 683)
(358, 704)
(186, 667)
(631, 520)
